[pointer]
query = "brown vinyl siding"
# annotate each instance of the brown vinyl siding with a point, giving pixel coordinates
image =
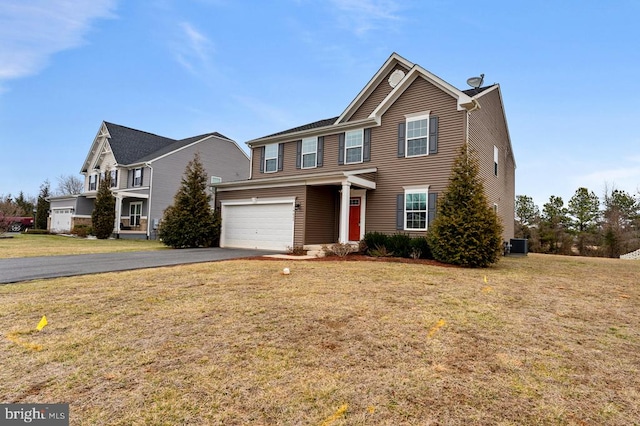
(377, 96)
(394, 173)
(290, 191)
(321, 212)
(487, 127)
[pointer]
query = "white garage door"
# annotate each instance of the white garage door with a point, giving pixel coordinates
(267, 226)
(60, 220)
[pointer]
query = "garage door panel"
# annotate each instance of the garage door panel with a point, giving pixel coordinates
(61, 220)
(261, 226)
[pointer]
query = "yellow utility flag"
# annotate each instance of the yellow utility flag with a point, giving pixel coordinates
(42, 323)
(485, 279)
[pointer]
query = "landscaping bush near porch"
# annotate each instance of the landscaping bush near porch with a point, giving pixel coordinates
(397, 245)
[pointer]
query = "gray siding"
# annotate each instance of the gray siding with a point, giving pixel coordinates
(220, 158)
(487, 127)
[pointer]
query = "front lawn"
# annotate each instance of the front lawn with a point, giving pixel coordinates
(534, 340)
(26, 245)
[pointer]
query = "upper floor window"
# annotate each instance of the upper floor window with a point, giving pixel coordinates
(417, 136)
(353, 146)
(137, 176)
(271, 158)
(114, 178)
(495, 160)
(309, 153)
(93, 182)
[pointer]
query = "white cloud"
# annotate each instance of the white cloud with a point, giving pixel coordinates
(626, 176)
(32, 31)
(362, 16)
(193, 50)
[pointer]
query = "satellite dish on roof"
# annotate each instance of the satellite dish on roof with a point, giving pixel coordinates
(475, 82)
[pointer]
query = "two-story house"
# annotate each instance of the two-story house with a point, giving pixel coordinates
(146, 171)
(378, 166)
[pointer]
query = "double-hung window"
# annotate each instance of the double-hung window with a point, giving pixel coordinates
(415, 209)
(417, 136)
(114, 178)
(271, 158)
(309, 153)
(137, 176)
(353, 146)
(495, 160)
(93, 182)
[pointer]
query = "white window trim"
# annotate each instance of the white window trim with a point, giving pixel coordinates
(411, 118)
(496, 154)
(271, 158)
(135, 185)
(361, 146)
(95, 182)
(315, 152)
(416, 190)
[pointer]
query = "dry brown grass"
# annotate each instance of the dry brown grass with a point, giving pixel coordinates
(25, 245)
(545, 340)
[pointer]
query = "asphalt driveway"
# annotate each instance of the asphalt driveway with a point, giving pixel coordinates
(33, 268)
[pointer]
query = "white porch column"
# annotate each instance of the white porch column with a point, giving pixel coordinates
(116, 225)
(344, 212)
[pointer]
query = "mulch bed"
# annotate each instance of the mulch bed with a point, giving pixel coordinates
(355, 257)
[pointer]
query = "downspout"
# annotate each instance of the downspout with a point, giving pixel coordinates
(476, 106)
(149, 218)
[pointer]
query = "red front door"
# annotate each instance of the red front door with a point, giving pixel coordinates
(354, 219)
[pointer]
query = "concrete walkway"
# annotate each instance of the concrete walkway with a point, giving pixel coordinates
(33, 268)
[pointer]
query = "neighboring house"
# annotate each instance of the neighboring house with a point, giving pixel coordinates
(146, 171)
(379, 166)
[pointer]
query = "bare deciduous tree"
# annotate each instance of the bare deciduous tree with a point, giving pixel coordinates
(69, 185)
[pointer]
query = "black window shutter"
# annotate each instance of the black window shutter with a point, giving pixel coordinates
(298, 154)
(433, 135)
(141, 175)
(320, 153)
(401, 127)
(132, 173)
(116, 182)
(261, 159)
(341, 148)
(432, 207)
(366, 151)
(280, 156)
(400, 212)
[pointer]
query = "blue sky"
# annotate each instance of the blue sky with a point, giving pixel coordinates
(567, 70)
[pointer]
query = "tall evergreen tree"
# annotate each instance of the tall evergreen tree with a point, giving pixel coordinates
(584, 207)
(466, 230)
(621, 216)
(190, 221)
(42, 205)
(554, 225)
(103, 216)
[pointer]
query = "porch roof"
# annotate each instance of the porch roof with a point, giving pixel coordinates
(327, 178)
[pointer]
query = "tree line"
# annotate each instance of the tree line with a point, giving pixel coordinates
(587, 225)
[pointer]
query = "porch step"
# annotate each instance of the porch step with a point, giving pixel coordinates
(315, 249)
(318, 251)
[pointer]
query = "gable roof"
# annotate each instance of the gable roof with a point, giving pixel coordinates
(465, 100)
(131, 146)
